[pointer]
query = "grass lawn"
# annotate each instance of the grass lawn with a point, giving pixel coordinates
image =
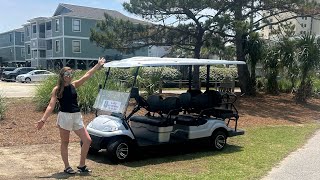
(245, 157)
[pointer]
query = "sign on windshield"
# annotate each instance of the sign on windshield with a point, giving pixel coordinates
(112, 101)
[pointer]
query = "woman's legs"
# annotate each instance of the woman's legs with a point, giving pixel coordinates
(64, 136)
(86, 140)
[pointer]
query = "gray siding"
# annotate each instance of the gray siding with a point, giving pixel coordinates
(5, 39)
(85, 25)
(6, 54)
(18, 39)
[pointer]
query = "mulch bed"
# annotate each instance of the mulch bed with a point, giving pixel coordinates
(18, 126)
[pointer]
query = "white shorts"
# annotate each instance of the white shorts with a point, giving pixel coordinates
(70, 121)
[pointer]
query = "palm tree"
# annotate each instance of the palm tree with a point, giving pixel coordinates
(309, 60)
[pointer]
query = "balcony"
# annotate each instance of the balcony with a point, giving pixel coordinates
(49, 54)
(48, 33)
(38, 44)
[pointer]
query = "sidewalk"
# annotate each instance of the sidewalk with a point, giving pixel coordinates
(301, 164)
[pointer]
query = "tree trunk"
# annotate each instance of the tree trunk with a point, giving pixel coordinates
(196, 69)
(243, 72)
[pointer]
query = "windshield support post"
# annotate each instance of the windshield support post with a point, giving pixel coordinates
(208, 78)
(190, 76)
(107, 75)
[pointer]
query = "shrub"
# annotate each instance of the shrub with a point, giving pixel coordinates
(284, 85)
(218, 73)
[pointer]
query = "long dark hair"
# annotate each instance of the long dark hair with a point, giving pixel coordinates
(61, 81)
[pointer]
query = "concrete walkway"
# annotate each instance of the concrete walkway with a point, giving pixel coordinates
(301, 164)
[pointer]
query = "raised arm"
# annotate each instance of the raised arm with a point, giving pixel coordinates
(49, 109)
(85, 77)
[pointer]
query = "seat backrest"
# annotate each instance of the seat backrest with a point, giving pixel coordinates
(200, 102)
(194, 92)
(169, 104)
(214, 98)
(154, 103)
(185, 100)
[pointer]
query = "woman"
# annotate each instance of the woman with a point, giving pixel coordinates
(69, 116)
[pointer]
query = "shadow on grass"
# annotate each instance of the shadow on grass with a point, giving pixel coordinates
(63, 175)
(166, 153)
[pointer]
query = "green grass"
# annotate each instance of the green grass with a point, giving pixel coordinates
(245, 157)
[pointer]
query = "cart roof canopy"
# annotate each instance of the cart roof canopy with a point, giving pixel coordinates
(157, 61)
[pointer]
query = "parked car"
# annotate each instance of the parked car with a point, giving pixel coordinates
(192, 116)
(3, 69)
(35, 75)
(11, 75)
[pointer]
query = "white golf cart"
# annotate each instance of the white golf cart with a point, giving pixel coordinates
(192, 115)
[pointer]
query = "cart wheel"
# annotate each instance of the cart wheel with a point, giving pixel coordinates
(218, 140)
(119, 150)
(92, 150)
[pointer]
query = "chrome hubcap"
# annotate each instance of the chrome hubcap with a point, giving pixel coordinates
(122, 151)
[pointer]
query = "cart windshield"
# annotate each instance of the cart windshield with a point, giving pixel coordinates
(114, 97)
(112, 101)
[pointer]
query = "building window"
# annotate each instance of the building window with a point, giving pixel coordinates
(76, 25)
(57, 46)
(22, 37)
(22, 52)
(48, 26)
(34, 29)
(57, 25)
(10, 37)
(28, 49)
(76, 46)
(28, 31)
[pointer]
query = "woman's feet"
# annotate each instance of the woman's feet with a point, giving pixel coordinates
(84, 169)
(69, 170)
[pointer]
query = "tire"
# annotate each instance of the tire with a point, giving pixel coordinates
(92, 150)
(119, 150)
(27, 80)
(218, 140)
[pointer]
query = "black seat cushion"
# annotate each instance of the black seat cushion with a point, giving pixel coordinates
(189, 120)
(154, 121)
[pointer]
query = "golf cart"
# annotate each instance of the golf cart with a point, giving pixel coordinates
(154, 120)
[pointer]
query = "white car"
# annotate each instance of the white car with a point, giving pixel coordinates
(35, 75)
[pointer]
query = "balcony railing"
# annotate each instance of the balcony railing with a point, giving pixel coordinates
(49, 53)
(38, 44)
(48, 33)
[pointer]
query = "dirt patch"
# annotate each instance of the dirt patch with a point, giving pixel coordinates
(30, 154)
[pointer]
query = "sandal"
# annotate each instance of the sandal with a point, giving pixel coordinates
(69, 170)
(83, 169)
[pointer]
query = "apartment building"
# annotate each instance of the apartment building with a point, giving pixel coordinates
(12, 50)
(301, 25)
(60, 40)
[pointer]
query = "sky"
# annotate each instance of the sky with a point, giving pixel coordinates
(15, 13)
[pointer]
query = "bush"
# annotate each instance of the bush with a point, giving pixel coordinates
(218, 73)
(2, 107)
(284, 85)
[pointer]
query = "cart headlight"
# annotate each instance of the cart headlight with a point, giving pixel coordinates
(110, 129)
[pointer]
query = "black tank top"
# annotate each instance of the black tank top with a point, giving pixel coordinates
(69, 102)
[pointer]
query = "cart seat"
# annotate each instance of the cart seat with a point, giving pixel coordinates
(189, 120)
(151, 120)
